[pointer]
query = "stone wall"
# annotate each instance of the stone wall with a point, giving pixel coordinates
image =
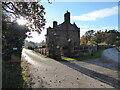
(78, 51)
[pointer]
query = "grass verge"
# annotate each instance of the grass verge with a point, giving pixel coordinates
(24, 73)
(118, 49)
(95, 55)
(68, 59)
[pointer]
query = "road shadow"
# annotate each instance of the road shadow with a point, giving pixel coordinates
(101, 77)
(104, 63)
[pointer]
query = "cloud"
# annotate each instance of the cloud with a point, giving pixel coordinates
(92, 16)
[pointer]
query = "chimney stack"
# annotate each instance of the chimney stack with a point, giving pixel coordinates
(67, 17)
(54, 24)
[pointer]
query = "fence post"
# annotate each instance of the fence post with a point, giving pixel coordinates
(45, 51)
(40, 51)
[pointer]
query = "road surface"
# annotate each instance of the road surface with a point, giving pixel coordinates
(111, 54)
(49, 73)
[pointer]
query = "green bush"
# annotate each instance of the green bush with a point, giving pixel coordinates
(118, 49)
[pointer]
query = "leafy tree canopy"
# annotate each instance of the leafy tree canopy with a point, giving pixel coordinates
(13, 34)
(109, 37)
(30, 11)
(89, 34)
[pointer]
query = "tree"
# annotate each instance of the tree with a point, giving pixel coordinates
(12, 37)
(31, 11)
(112, 37)
(98, 37)
(89, 34)
(94, 40)
(13, 34)
(83, 40)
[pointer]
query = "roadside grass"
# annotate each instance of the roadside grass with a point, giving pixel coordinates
(118, 49)
(24, 74)
(68, 59)
(95, 55)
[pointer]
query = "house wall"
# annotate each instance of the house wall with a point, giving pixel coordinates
(62, 37)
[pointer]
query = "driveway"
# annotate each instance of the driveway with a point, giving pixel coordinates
(48, 73)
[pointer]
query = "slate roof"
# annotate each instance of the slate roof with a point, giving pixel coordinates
(63, 25)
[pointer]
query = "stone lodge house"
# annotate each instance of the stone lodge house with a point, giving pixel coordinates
(62, 35)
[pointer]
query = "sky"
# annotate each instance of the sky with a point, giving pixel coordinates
(86, 15)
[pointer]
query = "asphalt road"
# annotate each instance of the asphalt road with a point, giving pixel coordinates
(112, 55)
(49, 73)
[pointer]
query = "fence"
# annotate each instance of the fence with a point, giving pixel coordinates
(41, 51)
(50, 53)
